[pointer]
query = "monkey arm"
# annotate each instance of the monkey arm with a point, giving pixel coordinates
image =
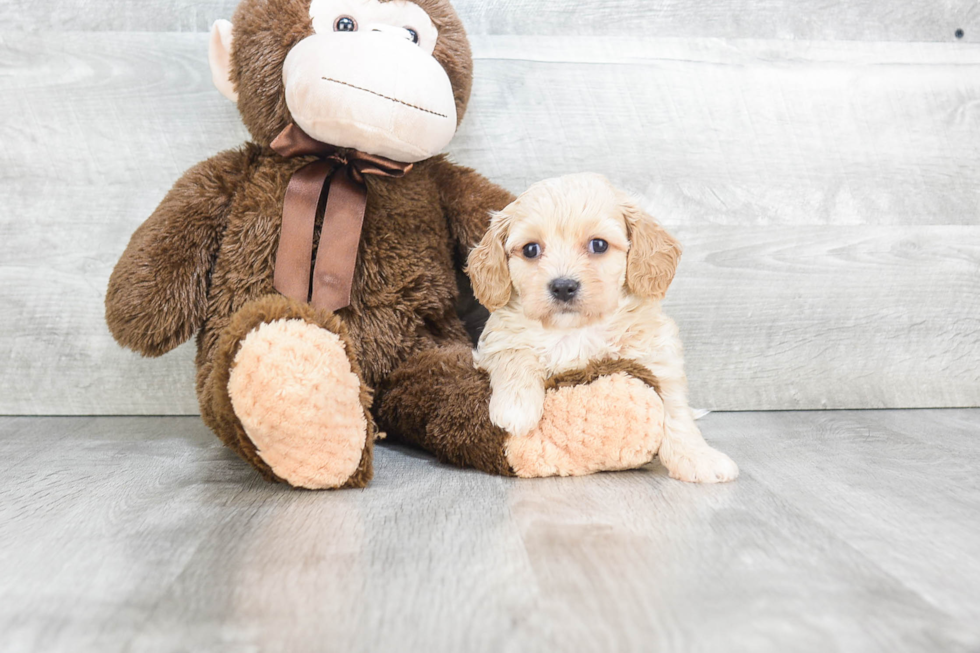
(468, 198)
(157, 295)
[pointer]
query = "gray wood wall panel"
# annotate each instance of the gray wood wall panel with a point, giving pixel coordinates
(741, 132)
(851, 20)
(825, 194)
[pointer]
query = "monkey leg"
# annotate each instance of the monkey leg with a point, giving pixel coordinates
(437, 400)
(605, 417)
(284, 393)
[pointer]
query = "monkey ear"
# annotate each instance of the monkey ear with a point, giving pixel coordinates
(653, 255)
(219, 56)
(487, 266)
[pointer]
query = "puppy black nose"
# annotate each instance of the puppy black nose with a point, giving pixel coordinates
(564, 290)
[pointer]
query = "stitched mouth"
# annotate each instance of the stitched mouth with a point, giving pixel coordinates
(392, 99)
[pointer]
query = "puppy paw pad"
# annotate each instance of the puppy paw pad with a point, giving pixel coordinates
(701, 465)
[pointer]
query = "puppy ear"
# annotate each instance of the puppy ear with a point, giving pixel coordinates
(487, 266)
(653, 255)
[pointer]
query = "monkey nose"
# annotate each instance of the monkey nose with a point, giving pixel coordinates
(564, 290)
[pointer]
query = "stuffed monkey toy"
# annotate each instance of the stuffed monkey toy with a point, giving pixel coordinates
(317, 264)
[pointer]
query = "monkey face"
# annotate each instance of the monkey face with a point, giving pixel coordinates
(389, 78)
(367, 80)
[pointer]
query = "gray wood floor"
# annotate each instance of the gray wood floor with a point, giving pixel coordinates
(847, 531)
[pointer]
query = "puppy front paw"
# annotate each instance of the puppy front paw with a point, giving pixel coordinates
(515, 414)
(700, 464)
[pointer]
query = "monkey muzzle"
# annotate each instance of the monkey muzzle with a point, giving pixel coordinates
(372, 92)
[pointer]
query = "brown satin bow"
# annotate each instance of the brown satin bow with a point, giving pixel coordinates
(339, 172)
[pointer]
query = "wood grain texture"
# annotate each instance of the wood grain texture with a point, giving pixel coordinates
(145, 534)
(911, 490)
(739, 133)
(849, 317)
(846, 20)
(825, 195)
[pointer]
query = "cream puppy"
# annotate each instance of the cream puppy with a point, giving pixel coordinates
(574, 271)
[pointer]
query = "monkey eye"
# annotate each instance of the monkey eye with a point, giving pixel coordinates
(531, 250)
(598, 246)
(345, 24)
(414, 35)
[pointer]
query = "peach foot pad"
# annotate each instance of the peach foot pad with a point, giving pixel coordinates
(294, 391)
(614, 423)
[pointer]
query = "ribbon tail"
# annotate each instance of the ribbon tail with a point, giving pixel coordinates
(293, 141)
(295, 253)
(340, 236)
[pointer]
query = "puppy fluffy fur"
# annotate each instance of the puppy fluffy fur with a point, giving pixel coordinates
(585, 233)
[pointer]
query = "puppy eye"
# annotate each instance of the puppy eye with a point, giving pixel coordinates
(345, 24)
(414, 35)
(598, 246)
(532, 250)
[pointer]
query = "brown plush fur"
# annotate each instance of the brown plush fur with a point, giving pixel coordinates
(440, 402)
(203, 262)
(403, 299)
(600, 368)
(169, 258)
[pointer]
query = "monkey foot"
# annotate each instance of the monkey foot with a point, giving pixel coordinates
(615, 422)
(299, 402)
